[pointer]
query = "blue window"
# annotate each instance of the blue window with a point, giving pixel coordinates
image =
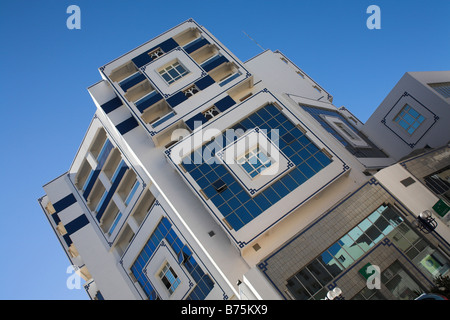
(169, 278)
(254, 162)
(409, 119)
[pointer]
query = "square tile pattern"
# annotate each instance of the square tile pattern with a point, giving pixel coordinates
(234, 202)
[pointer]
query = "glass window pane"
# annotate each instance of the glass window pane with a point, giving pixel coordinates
(356, 232)
(392, 217)
(351, 247)
(401, 285)
(374, 234)
(408, 118)
(413, 113)
(308, 281)
(297, 290)
(373, 217)
(319, 272)
(383, 226)
(365, 243)
(330, 264)
(404, 124)
(364, 225)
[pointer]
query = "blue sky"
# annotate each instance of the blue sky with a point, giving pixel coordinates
(46, 69)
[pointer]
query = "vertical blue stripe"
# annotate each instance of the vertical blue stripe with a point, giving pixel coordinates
(111, 191)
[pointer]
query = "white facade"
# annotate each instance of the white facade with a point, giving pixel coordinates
(162, 200)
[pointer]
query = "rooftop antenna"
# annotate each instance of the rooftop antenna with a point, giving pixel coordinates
(253, 40)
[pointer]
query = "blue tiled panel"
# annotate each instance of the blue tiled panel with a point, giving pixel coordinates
(144, 58)
(111, 105)
(222, 105)
(127, 125)
(235, 204)
(225, 103)
(64, 203)
(229, 79)
(199, 117)
(76, 224)
(164, 230)
(176, 99)
(204, 82)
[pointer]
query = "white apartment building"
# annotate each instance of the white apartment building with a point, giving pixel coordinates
(204, 177)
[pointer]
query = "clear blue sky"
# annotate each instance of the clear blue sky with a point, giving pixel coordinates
(46, 68)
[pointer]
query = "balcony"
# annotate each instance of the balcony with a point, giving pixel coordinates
(156, 112)
(187, 36)
(148, 101)
(223, 71)
(205, 53)
(122, 72)
(109, 218)
(143, 207)
(139, 90)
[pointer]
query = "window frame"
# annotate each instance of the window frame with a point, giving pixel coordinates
(173, 65)
(399, 117)
(162, 273)
(257, 170)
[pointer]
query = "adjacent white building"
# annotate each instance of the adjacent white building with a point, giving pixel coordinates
(204, 177)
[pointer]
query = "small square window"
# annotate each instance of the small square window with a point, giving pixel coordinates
(408, 181)
(255, 161)
(169, 278)
(219, 185)
(173, 72)
(409, 119)
(256, 247)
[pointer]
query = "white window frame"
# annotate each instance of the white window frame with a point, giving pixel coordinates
(345, 132)
(254, 153)
(173, 65)
(173, 284)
